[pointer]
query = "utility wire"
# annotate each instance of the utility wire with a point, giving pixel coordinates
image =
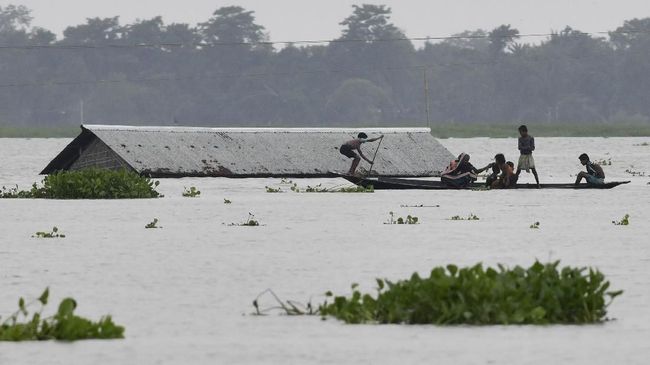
(306, 42)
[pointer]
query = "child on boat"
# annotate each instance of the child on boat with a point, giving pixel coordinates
(507, 178)
(594, 174)
(460, 173)
(526, 148)
(348, 148)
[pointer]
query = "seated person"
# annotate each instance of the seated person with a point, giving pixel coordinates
(460, 172)
(508, 178)
(594, 174)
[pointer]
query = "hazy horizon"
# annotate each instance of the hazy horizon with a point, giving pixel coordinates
(287, 20)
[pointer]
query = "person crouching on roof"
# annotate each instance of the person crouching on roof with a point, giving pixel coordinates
(460, 173)
(348, 149)
(594, 174)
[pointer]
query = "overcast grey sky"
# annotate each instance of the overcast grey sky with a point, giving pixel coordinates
(318, 19)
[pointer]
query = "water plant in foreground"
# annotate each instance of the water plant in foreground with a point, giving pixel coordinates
(470, 217)
(534, 225)
(89, 184)
(623, 222)
(153, 224)
(192, 192)
(64, 325)
(53, 234)
(540, 294)
(249, 222)
(227, 201)
(409, 219)
(270, 189)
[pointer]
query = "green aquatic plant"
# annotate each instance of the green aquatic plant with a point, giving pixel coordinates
(192, 192)
(623, 222)
(400, 220)
(470, 217)
(89, 184)
(249, 222)
(320, 189)
(419, 206)
(53, 234)
(270, 189)
(604, 162)
(540, 294)
(635, 173)
(153, 224)
(64, 325)
(534, 225)
(227, 201)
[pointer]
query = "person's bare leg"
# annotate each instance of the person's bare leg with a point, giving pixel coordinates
(536, 177)
(355, 163)
(518, 171)
(580, 176)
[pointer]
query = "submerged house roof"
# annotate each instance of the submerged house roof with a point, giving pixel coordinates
(248, 152)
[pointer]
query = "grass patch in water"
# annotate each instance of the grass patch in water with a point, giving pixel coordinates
(88, 184)
(54, 234)
(470, 217)
(625, 221)
(192, 192)
(400, 220)
(540, 294)
(64, 325)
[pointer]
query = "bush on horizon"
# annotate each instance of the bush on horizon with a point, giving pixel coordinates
(91, 183)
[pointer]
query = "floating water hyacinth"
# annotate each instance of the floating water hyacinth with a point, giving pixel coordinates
(540, 294)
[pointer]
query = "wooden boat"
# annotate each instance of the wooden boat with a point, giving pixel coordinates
(391, 183)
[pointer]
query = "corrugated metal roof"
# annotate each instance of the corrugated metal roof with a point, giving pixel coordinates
(249, 152)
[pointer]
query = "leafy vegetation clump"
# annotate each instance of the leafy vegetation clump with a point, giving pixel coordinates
(623, 222)
(54, 234)
(153, 224)
(319, 188)
(400, 220)
(470, 217)
(604, 162)
(534, 225)
(250, 222)
(192, 192)
(64, 325)
(227, 201)
(540, 294)
(635, 173)
(89, 184)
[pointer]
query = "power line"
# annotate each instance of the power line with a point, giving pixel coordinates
(304, 42)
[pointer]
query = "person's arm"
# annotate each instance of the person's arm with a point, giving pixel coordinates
(489, 166)
(375, 139)
(532, 144)
(520, 145)
(362, 155)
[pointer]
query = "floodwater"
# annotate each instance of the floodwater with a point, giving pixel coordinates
(184, 292)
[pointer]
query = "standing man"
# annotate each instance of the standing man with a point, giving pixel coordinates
(526, 148)
(348, 149)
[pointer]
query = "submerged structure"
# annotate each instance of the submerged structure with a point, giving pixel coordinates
(248, 152)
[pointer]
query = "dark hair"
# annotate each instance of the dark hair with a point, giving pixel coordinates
(362, 135)
(583, 157)
(511, 164)
(500, 158)
(523, 128)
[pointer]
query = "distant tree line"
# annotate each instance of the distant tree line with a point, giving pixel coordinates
(221, 72)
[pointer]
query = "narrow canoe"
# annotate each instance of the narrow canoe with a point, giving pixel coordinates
(389, 183)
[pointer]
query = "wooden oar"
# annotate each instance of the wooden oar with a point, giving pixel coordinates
(375, 156)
